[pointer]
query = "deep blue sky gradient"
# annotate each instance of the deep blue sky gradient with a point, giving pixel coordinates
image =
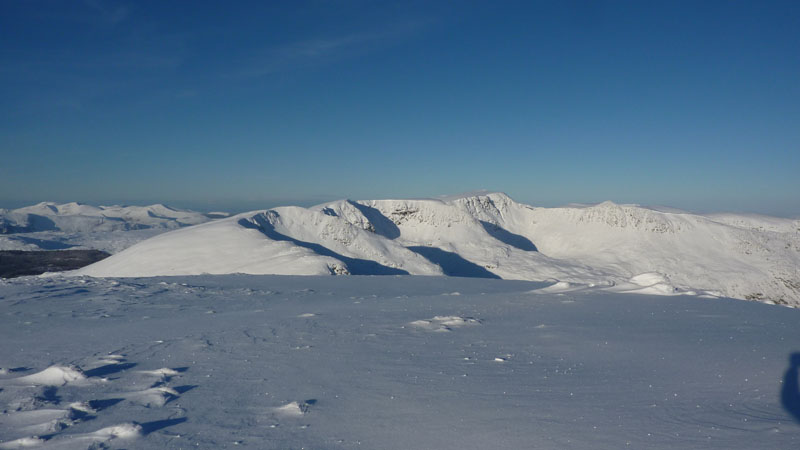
(237, 105)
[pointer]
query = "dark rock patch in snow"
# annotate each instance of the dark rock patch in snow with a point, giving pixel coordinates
(17, 263)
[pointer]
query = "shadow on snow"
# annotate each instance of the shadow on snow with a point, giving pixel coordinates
(383, 226)
(354, 265)
(452, 264)
(790, 392)
(509, 238)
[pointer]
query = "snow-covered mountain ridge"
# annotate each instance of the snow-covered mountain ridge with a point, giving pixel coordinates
(77, 217)
(625, 248)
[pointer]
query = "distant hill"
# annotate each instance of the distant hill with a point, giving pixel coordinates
(76, 217)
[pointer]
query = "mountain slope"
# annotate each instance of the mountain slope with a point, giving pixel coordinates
(618, 247)
(693, 251)
(284, 241)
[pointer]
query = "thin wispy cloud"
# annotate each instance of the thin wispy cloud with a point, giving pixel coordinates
(110, 12)
(315, 52)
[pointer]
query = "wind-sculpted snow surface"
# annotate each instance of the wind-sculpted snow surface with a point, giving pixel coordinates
(489, 236)
(394, 362)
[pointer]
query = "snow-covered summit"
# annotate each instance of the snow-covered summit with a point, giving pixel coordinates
(78, 217)
(488, 235)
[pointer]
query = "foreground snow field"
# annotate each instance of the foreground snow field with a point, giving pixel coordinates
(393, 362)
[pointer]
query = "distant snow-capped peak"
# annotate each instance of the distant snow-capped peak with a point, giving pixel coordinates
(78, 217)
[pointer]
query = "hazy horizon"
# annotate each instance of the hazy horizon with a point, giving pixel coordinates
(240, 206)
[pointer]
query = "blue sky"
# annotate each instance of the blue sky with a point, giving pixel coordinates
(237, 105)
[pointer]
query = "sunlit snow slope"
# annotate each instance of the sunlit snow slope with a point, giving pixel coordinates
(623, 248)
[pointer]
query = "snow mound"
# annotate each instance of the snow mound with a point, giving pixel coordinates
(25, 442)
(37, 422)
(124, 431)
(561, 286)
(649, 283)
(444, 323)
(161, 373)
(649, 279)
(53, 376)
(152, 397)
(292, 409)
